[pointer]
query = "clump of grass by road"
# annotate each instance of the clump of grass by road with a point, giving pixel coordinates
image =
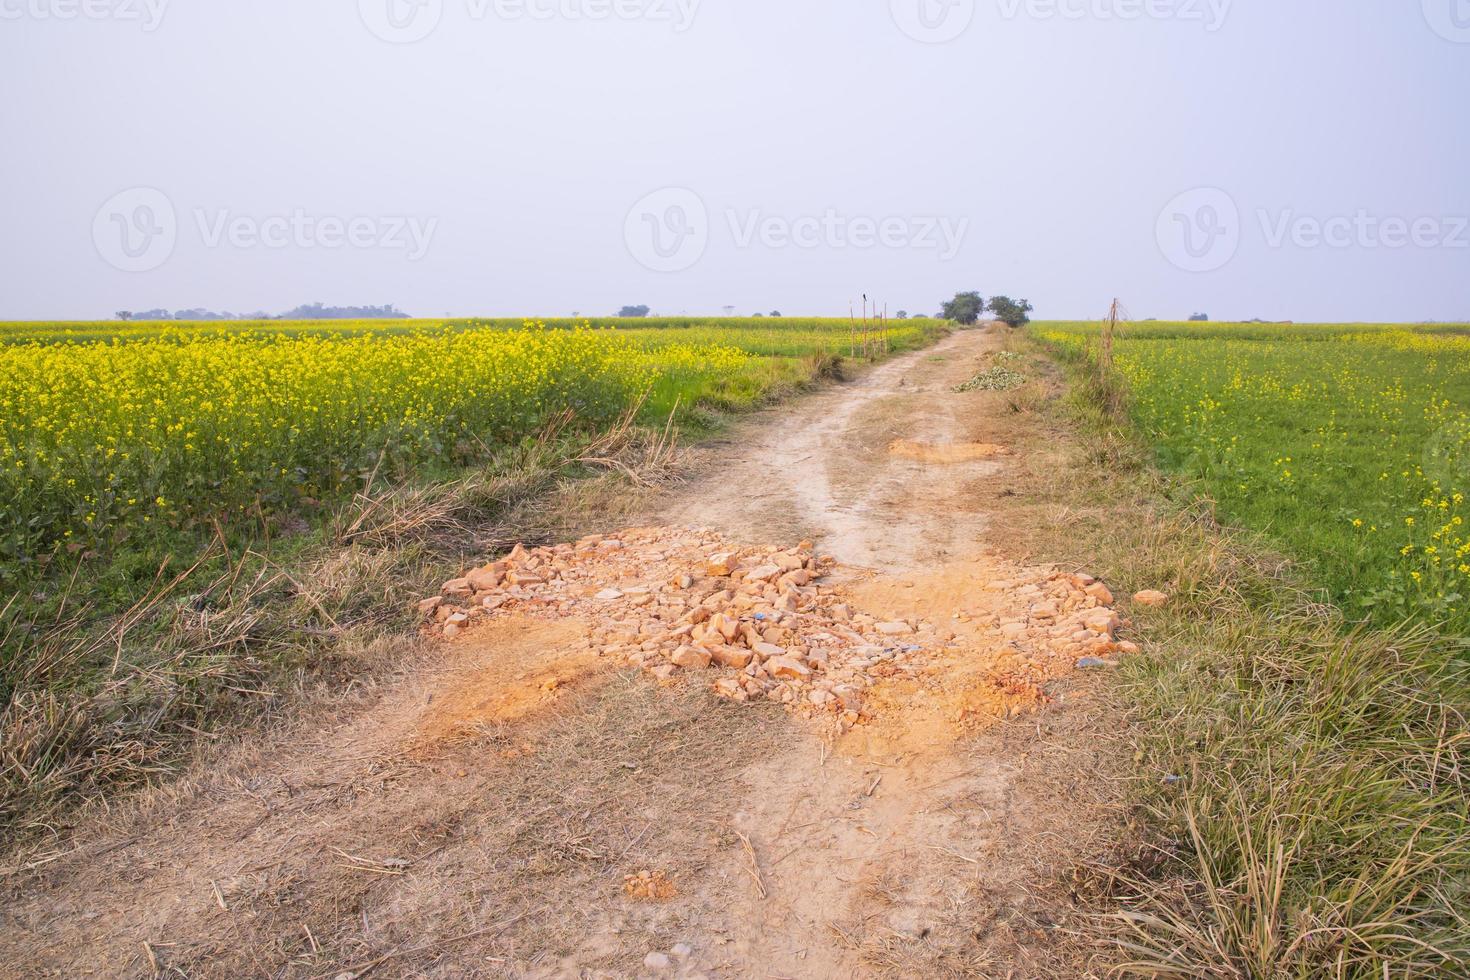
(1303, 783)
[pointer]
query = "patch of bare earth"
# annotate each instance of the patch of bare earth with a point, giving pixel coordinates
(808, 722)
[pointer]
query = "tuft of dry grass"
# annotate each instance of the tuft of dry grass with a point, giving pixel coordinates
(825, 367)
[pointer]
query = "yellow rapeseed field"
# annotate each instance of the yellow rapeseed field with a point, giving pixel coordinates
(102, 439)
(96, 438)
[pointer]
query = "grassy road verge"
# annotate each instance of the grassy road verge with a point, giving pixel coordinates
(1303, 784)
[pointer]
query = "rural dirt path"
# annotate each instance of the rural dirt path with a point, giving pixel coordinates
(828, 470)
(511, 805)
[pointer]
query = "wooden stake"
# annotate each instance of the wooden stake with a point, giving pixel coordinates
(1105, 354)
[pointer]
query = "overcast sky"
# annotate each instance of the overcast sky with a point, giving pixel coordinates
(1304, 160)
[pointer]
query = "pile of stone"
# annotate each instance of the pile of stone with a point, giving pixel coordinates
(650, 886)
(764, 621)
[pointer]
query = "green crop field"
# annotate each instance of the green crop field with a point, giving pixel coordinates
(1346, 445)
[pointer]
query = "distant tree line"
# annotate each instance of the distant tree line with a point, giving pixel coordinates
(309, 311)
(966, 309)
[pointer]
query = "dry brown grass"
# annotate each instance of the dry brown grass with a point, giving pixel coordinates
(529, 858)
(101, 705)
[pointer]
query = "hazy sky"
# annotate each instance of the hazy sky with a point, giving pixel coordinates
(1304, 160)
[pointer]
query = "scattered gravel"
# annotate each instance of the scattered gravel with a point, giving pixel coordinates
(759, 622)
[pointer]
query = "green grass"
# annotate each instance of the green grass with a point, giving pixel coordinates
(1303, 783)
(1306, 783)
(1346, 445)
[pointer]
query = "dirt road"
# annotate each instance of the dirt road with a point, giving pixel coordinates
(515, 805)
(827, 472)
